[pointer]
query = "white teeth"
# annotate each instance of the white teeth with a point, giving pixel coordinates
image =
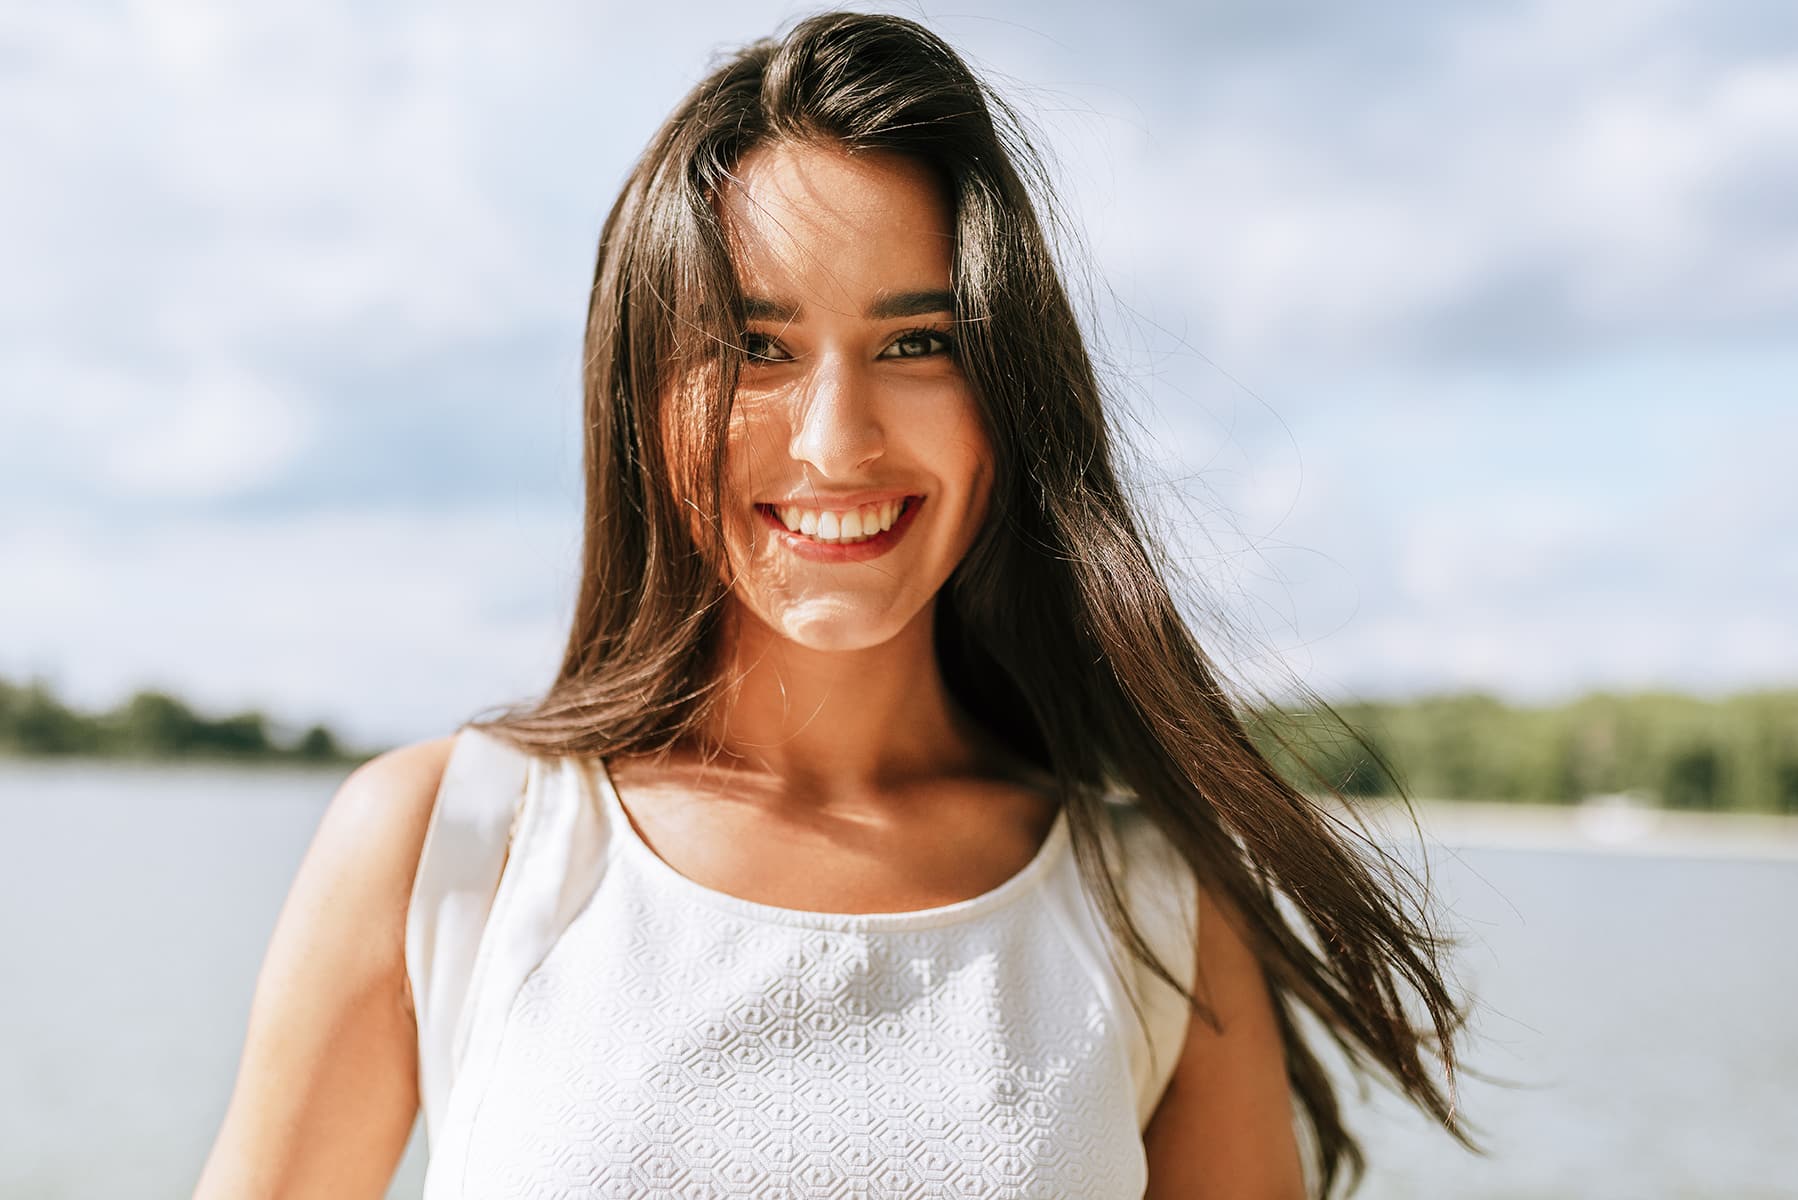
(856, 525)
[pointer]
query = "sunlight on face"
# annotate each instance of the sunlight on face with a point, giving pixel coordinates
(853, 394)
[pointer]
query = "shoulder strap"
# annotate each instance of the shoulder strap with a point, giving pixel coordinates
(459, 867)
(560, 849)
(1162, 893)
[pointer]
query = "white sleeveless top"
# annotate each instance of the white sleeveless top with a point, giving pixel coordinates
(592, 1023)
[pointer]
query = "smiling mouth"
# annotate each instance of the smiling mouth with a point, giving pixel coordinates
(824, 549)
(833, 528)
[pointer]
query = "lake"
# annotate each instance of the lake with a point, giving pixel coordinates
(1636, 978)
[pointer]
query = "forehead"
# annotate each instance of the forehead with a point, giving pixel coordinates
(817, 225)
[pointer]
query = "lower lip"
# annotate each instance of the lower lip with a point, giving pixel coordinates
(835, 552)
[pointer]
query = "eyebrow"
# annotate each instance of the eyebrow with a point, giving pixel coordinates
(886, 308)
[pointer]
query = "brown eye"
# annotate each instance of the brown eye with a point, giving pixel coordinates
(761, 348)
(918, 343)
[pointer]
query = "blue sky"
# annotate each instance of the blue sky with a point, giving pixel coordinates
(1455, 340)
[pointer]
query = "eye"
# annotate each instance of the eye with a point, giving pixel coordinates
(760, 348)
(919, 343)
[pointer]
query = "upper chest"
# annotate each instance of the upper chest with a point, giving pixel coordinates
(921, 849)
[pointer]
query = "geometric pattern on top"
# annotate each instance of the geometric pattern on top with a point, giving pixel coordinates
(668, 1049)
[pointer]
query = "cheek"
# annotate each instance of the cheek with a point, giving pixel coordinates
(976, 467)
(750, 469)
(981, 497)
(972, 463)
(749, 442)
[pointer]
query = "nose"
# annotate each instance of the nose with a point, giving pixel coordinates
(836, 427)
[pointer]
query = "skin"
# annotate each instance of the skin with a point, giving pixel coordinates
(850, 780)
(327, 1088)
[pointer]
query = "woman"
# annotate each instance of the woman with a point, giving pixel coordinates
(885, 827)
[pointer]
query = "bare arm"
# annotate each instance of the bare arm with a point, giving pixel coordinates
(327, 1089)
(1224, 1126)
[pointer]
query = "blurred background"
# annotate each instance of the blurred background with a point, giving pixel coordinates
(1453, 353)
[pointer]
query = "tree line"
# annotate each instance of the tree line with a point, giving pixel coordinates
(1739, 753)
(155, 725)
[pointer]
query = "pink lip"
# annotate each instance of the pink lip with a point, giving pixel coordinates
(824, 552)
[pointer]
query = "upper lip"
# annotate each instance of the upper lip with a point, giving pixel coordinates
(835, 502)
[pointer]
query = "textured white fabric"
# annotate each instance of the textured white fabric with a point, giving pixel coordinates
(619, 1030)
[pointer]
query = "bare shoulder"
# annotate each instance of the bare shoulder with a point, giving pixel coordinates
(404, 778)
(392, 793)
(373, 833)
(373, 830)
(326, 1090)
(1224, 1127)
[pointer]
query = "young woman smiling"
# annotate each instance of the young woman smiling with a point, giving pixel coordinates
(885, 831)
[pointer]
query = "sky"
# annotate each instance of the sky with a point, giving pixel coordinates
(1451, 344)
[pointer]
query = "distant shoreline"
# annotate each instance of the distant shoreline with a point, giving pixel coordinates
(1605, 825)
(273, 760)
(1680, 753)
(1601, 826)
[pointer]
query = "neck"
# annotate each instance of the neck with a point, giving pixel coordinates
(836, 725)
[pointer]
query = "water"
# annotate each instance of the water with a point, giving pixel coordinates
(135, 907)
(1642, 1001)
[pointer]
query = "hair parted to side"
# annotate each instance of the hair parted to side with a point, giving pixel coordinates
(1126, 702)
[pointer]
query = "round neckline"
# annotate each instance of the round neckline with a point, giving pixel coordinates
(631, 843)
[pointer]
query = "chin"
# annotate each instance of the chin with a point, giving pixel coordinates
(836, 645)
(828, 623)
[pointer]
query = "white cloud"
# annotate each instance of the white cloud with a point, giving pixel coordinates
(1545, 587)
(1499, 549)
(1523, 193)
(207, 431)
(391, 626)
(199, 191)
(237, 237)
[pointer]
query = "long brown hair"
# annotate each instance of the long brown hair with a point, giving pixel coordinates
(1126, 702)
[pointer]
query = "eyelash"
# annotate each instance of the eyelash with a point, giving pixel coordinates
(926, 332)
(909, 335)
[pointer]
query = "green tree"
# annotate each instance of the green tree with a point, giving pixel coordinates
(40, 724)
(1785, 786)
(156, 723)
(243, 734)
(1693, 778)
(318, 745)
